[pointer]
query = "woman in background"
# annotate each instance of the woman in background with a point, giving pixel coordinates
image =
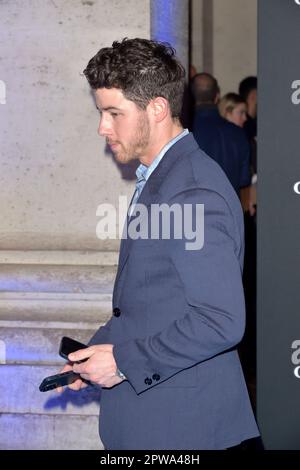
(233, 108)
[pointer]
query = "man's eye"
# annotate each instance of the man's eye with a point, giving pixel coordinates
(114, 115)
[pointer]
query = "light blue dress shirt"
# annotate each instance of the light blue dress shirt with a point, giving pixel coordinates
(143, 172)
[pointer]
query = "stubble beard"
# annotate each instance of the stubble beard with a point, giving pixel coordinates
(139, 142)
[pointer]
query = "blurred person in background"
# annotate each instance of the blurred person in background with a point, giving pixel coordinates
(233, 108)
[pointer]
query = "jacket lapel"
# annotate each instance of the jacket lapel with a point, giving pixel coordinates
(151, 191)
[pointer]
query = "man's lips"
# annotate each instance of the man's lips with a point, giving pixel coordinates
(113, 145)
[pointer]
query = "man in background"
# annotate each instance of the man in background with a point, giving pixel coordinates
(223, 141)
(248, 91)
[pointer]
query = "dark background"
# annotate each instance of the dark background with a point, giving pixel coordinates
(278, 390)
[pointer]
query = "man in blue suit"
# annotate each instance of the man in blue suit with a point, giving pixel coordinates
(167, 360)
(222, 140)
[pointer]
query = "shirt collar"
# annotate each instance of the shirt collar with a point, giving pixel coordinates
(144, 172)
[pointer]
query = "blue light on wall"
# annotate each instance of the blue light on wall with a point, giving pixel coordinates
(162, 21)
(169, 23)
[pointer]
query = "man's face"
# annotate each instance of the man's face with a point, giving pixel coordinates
(252, 102)
(125, 126)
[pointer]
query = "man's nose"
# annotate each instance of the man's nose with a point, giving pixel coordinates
(104, 127)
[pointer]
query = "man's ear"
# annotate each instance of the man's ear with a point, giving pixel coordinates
(160, 108)
(217, 98)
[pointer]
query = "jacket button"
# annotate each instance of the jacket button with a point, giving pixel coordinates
(156, 377)
(116, 312)
(148, 381)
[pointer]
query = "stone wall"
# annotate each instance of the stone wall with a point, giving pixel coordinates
(234, 41)
(56, 277)
(224, 40)
(54, 168)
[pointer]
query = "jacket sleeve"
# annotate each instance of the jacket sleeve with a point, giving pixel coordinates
(101, 336)
(214, 320)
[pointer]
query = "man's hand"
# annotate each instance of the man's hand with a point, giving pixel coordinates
(100, 368)
(248, 199)
(76, 385)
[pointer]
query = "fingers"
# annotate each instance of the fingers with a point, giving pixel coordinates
(66, 368)
(88, 352)
(77, 385)
(81, 354)
(100, 368)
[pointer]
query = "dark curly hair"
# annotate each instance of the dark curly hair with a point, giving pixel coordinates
(142, 69)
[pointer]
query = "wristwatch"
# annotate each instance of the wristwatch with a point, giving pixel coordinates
(120, 374)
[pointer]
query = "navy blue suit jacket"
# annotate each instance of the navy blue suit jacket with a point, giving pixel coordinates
(180, 316)
(226, 143)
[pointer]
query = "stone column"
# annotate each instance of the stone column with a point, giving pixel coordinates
(170, 23)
